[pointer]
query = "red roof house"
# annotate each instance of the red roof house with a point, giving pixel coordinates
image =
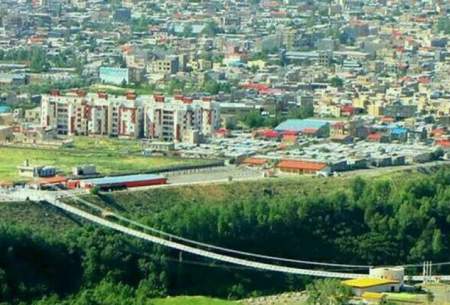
(301, 167)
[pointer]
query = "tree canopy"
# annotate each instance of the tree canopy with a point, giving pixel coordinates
(328, 292)
(392, 220)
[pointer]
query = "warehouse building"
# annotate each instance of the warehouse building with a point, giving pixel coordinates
(303, 167)
(254, 162)
(121, 182)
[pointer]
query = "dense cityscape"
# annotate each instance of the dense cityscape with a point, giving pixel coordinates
(140, 130)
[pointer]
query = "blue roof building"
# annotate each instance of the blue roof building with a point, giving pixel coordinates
(312, 127)
(124, 181)
(298, 125)
(4, 108)
(398, 133)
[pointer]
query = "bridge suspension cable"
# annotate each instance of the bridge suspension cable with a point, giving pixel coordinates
(212, 255)
(196, 251)
(244, 253)
(210, 246)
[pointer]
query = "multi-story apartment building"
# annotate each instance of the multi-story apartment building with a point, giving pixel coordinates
(177, 119)
(180, 118)
(93, 114)
(168, 65)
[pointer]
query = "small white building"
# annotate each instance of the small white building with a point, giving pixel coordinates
(383, 279)
(363, 285)
(388, 273)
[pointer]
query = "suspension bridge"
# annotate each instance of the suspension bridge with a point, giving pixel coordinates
(209, 251)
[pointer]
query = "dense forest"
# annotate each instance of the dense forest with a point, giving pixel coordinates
(396, 219)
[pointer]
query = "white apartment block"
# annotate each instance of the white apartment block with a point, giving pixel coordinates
(176, 119)
(93, 114)
(180, 119)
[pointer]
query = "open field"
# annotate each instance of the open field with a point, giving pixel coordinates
(191, 301)
(106, 144)
(110, 156)
(406, 298)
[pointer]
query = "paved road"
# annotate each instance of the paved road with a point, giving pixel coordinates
(379, 170)
(210, 176)
(216, 174)
(222, 175)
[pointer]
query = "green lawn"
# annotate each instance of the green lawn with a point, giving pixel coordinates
(104, 144)
(406, 297)
(191, 301)
(110, 156)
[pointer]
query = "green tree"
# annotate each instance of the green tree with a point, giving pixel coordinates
(443, 25)
(337, 82)
(187, 30)
(38, 60)
(210, 29)
(328, 292)
(175, 84)
(95, 190)
(437, 245)
(301, 113)
(253, 119)
(211, 86)
(358, 186)
(4, 289)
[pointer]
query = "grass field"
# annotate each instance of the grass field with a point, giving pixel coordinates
(109, 155)
(191, 301)
(406, 297)
(105, 144)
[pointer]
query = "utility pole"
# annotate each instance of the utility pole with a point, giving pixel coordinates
(427, 271)
(430, 265)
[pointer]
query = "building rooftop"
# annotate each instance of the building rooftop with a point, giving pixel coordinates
(254, 161)
(367, 282)
(122, 179)
(4, 108)
(372, 296)
(301, 165)
(301, 125)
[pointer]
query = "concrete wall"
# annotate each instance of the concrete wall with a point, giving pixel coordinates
(379, 289)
